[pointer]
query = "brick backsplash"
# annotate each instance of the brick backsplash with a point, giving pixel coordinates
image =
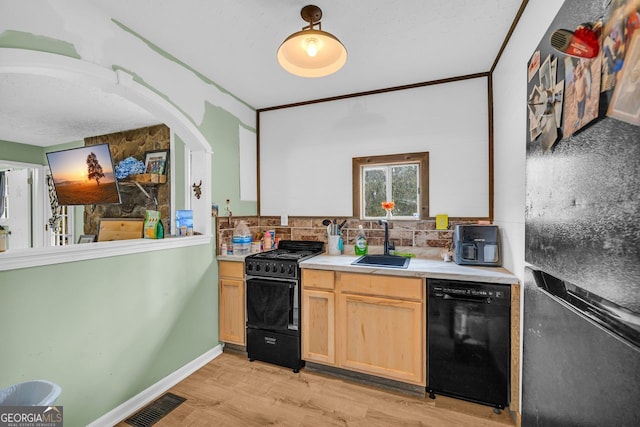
(406, 235)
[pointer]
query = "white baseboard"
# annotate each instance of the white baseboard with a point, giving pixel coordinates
(146, 396)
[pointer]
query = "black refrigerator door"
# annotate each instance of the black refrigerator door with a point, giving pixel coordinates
(574, 372)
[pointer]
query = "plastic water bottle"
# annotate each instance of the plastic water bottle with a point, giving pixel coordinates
(241, 239)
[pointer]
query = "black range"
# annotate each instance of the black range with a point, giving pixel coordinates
(273, 302)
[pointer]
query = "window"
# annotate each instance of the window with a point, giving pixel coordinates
(401, 178)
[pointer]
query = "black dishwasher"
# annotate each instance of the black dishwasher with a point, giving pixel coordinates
(468, 341)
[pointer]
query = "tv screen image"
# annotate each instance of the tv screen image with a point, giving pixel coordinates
(84, 175)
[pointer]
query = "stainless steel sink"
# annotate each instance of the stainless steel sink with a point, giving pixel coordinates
(390, 261)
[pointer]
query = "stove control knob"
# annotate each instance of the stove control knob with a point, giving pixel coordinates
(282, 269)
(258, 267)
(249, 266)
(267, 268)
(290, 272)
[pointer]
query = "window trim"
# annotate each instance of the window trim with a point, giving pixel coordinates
(421, 158)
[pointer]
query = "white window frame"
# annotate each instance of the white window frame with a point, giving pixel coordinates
(387, 169)
(359, 164)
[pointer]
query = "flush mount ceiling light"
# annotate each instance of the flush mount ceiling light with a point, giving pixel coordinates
(312, 52)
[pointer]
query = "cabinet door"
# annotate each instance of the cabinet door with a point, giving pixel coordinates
(232, 322)
(318, 327)
(382, 336)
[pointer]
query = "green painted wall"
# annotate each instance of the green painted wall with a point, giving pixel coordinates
(222, 129)
(26, 153)
(108, 328)
(22, 153)
(29, 41)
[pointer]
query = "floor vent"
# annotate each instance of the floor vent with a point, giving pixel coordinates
(154, 412)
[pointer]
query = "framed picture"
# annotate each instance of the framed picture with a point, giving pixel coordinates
(87, 238)
(84, 175)
(156, 161)
(625, 103)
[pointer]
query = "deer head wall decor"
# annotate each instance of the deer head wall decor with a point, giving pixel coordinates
(197, 190)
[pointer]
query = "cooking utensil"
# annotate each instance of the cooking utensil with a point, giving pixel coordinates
(326, 222)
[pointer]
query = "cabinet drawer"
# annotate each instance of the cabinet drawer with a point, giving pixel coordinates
(385, 286)
(231, 269)
(321, 279)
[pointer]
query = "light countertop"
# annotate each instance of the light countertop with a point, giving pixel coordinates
(236, 258)
(418, 267)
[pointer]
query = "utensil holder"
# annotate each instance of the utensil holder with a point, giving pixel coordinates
(333, 245)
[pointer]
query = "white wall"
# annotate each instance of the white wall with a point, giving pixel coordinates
(509, 106)
(306, 152)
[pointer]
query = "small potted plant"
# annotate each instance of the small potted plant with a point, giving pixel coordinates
(388, 207)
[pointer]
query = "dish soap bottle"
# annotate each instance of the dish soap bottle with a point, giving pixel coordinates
(361, 242)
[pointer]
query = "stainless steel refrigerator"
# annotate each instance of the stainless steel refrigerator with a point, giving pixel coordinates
(581, 332)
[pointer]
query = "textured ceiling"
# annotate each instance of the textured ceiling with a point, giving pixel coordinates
(42, 110)
(234, 43)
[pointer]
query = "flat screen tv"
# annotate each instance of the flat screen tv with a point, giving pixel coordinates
(84, 175)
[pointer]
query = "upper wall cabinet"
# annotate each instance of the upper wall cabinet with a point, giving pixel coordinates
(306, 151)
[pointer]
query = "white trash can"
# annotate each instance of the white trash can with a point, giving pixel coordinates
(30, 393)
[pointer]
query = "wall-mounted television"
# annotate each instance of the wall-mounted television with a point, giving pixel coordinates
(84, 175)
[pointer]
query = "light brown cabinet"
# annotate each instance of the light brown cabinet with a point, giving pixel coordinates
(366, 323)
(382, 326)
(318, 316)
(231, 323)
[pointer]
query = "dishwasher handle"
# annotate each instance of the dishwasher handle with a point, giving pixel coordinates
(467, 298)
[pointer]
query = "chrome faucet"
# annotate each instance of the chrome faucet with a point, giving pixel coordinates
(388, 246)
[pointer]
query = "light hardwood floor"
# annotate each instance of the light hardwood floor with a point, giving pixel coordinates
(231, 391)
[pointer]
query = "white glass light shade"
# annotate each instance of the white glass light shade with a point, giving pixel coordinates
(312, 53)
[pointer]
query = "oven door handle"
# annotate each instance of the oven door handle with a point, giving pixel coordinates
(291, 282)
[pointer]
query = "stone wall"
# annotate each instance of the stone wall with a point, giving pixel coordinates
(133, 143)
(418, 237)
